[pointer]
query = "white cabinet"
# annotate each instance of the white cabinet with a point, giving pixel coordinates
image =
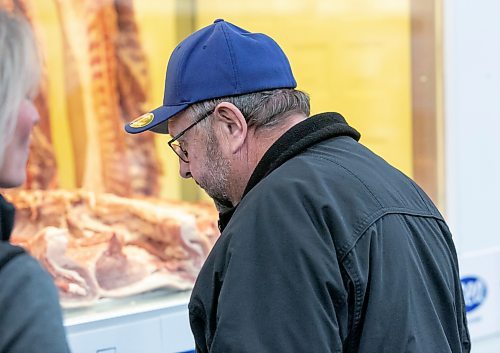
(152, 323)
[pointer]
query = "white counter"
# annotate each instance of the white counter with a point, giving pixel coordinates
(155, 322)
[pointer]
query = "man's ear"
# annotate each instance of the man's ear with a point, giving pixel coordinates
(232, 124)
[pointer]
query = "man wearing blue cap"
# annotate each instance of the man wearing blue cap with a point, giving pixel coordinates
(324, 246)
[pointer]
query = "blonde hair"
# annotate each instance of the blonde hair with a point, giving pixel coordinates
(20, 71)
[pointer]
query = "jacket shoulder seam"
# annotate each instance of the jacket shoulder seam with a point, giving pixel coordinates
(361, 226)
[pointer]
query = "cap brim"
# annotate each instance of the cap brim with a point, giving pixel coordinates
(158, 122)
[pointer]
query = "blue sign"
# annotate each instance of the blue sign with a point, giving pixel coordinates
(475, 292)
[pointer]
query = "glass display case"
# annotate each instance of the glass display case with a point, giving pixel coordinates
(106, 212)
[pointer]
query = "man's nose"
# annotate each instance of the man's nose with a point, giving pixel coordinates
(184, 170)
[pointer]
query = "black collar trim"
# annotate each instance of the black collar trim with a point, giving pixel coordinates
(7, 213)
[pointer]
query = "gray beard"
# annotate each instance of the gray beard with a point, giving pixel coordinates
(216, 181)
(222, 205)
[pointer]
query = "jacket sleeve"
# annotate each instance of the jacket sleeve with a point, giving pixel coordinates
(31, 319)
(282, 288)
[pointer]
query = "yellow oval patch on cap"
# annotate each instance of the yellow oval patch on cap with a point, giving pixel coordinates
(142, 121)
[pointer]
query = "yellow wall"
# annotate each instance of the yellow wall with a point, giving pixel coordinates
(351, 56)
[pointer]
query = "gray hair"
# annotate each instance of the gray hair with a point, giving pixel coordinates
(20, 71)
(264, 109)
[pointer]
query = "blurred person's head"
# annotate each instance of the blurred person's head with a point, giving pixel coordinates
(19, 78)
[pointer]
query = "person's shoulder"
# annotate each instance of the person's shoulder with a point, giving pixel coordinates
(32, 307)
(24, 269)
(8, 252)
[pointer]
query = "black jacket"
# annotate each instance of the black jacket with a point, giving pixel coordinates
(30, 315)
(331, 249)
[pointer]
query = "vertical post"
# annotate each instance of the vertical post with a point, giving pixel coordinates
(426, 96)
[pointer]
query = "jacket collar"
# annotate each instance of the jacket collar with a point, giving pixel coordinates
(297, 139)
(7, 213)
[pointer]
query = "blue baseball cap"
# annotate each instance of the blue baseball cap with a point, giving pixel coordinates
(217, 61)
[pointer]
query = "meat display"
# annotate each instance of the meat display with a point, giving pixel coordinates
(102, 245)
(110, 238)
(133, 84)
(42, 165)
(106, 82)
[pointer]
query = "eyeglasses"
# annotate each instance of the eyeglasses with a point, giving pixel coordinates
(176, 147)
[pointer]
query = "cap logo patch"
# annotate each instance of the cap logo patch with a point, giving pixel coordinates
(142, 121)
